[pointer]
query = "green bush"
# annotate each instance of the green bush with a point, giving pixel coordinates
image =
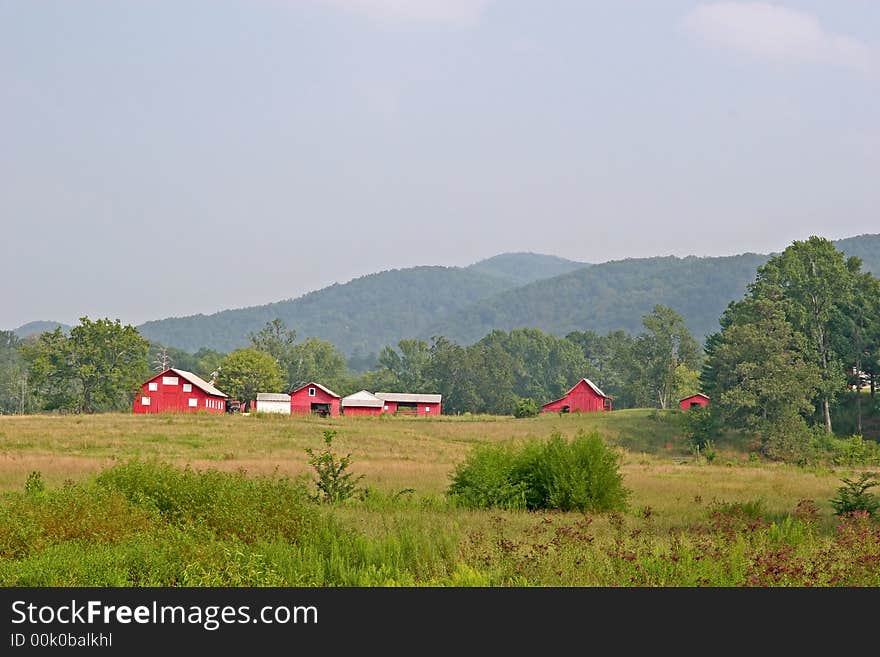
(334, 482)
(526, 407)
(230, 504)
(854, 495)
(700, 426)
(577, 475)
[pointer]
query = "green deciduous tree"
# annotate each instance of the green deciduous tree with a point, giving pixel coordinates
(316, 360)
(666, 344)
(14, 395)
(98, 366)
(276, 340)
(814, 283)
(758, 378)
(245, 372)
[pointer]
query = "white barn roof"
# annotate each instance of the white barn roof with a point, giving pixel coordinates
(409, 398)
(198, 381)
(273, 396)
(363, 399)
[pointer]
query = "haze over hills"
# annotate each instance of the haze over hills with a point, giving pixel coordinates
(525, 268)
(360, 316)
(610, 296)
(506, 291)
(37, 327)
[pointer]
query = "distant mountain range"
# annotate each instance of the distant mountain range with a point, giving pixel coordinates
(507, 291)
(35, 328)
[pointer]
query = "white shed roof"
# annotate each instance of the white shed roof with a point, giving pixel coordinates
(363, 399)
(409, 397)
(273, 396)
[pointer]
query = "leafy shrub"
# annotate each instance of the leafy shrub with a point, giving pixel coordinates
(852, 451)
(488, 478)
(230, 504)
(526, 407)
(333, 481)
(34, 483)
(700, 426)
(581, 474)
(706, 451)
(854, 496)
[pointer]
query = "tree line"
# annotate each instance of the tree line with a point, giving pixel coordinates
(782, 366)
(99, 366)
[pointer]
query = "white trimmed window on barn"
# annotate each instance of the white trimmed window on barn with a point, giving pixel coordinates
(193, 402)
(145, 401)
(152, 386)
(311, 392)
(169, 380)
(187, 387)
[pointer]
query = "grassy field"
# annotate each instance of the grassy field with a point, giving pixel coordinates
(688, 522)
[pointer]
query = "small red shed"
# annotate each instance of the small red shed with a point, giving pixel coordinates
(694, 401)
(178, 391)
(314, 398)
(362, 403)
(408, 403)
(585, 396)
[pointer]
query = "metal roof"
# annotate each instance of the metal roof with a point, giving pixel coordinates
(593, 386)
(408, 397)
(316, 385)
(198, 381)
(364, 399)
(273, 396)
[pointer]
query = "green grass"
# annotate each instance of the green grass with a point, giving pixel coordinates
(240, 514)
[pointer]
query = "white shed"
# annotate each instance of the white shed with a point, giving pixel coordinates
(272, 402)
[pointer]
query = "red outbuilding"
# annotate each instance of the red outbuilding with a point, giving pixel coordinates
(314, 398)
(178, 391)
(694, 401)
(362, 403)
(407, 403)
(584, 396)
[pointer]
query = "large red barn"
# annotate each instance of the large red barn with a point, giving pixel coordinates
(584, 396)
(694, 401)
(178, 391)
(407, 403)
(362, 403)
(312, 397)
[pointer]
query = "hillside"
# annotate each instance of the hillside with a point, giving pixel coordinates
(866, 247)
(360, 316)
(525, 268)
(35, 328)
(506, 291)
(610, 296)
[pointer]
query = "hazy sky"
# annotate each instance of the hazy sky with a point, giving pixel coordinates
(163, 158)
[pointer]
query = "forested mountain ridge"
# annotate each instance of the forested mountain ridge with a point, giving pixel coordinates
(866, 247)
(526, 267)
(35, 328)
(360, 316)
(610, 296)
(506, 291)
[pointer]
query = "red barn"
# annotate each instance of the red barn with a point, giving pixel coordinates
(584, 396)
(694, 401)
(178, 391)
(362, 403)
(314, 398)
(406, 403)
